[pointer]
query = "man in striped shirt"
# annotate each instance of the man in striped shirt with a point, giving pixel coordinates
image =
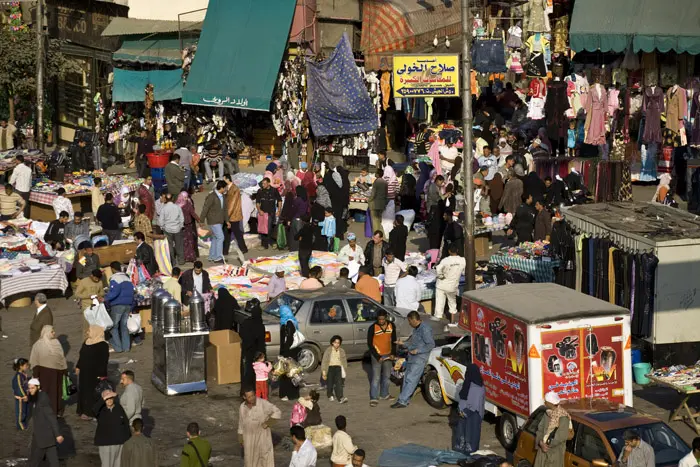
(11, 203)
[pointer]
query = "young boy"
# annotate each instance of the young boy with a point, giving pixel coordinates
(328, 228)
(365, 180)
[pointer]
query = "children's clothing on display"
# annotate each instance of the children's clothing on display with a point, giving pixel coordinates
(535, 108)
(514, 64)
(538, 88)
(515, 36)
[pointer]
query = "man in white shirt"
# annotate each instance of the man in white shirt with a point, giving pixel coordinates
(61, 203)
(21, 179)
(449, 273)
(490, 161)
(352, 253)
(691, 460)
(358, 459)
(408, 290)
(448, 154)
(304, 454)
(393, 268)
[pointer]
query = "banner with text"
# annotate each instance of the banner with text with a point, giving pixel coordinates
(426, 75)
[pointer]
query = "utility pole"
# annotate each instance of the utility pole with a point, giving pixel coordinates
(40, 74)
(469, 255)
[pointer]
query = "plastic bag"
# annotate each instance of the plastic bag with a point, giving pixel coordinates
(281, 237)
(336, 245)
(133, 323)
(68, 387)
(298, 339)
(98, 316)
(263, 220)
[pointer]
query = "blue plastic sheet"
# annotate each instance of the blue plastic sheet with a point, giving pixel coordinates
(415, 455)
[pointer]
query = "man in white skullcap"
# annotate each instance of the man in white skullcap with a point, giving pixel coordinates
(552, 433)
(46, 436)
(277, 285)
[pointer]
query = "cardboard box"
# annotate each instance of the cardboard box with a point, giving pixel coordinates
(223, 363)
(428, 306)
(146, 320)
(122, 253)
(223, 338)
(482, 246)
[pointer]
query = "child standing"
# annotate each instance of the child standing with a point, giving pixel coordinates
(334, 367)
(571, 138)
(299, 409)
(328, 228)
(19, 388)
(262, 370)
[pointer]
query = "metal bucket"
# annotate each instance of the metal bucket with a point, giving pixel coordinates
(197, 312)
(172, 311)
(157, 307)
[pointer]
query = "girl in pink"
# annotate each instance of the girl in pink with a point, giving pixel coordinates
(262, 370)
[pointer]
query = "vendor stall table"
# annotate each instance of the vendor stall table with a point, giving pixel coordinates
(53, 279)
(683, 412)
(540, 270)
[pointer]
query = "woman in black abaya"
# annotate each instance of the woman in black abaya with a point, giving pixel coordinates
(252, 341)
(224, 309)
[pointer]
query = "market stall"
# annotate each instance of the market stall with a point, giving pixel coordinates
(8, 159)
(686, 381)
(532, 258)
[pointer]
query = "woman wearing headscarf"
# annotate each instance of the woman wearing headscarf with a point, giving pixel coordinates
(341, 222)
(288, 327)
(189, 230)
(308, 179)
(300, 208)
(274, 173)
(505, 151)
(334, 184)
(423, 177)
(407, 192)
(471, 411)
(49, 365)
(662, 189)
(91, 368)
(252, 341)
(224, 309)
(513, 192)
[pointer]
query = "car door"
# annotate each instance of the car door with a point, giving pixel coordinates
(455, 367)
(364, 313)
(526, 440)
(588, 446)
(328, 318)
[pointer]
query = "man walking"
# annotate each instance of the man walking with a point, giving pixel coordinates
(197, 451)
(108, 217)
(234, 212)
(139, 451)
(449, 272)
(171, 220)
(305, 237)
(269, 204)
(42, 317)
(46, 436)
(378, 199)
(419, 346)
(214, 214)
(21, 179)
(145, 144)
(375, 252)
(393, 268)
(254, 420)
(304, 454)
(121, 299)
(132, 397)
(381, 340)
(174, 176)
(185, 160)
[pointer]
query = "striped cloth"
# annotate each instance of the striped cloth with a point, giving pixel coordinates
(46, 279)
(541, 271)
(44, 197)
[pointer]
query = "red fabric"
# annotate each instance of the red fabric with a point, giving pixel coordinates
(146, 198)
(261, 389)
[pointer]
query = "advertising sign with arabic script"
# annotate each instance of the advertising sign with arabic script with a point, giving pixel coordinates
(499, 349)
(426, 75)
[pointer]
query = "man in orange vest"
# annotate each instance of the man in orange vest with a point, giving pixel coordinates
(381, 339)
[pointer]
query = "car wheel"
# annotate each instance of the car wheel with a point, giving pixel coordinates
(309, 357)
(507, 431)
(432, 392)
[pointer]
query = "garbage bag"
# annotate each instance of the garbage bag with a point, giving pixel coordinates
(418, 456)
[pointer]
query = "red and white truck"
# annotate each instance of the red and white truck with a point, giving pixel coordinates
(529, 339)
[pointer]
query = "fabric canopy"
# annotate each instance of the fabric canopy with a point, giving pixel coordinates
(337, 101)
(130, 86)
(645, 25)
(151, 51)
(239, 53)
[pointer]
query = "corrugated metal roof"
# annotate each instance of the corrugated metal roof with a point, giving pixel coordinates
(152, 51)
(135, 26)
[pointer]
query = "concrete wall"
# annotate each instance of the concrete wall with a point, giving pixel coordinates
(166, 9)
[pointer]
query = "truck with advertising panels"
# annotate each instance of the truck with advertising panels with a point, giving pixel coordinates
(529, 339)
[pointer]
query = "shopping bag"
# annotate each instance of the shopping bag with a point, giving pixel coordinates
(298, 339)
(68, 387)
(281, 237)
(98, 316)
(133, 323)
(263, 220)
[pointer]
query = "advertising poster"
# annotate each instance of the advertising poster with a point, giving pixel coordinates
(580, 363)
(499, 348)
(426, 75)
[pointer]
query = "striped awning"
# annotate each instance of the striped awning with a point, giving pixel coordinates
(399, 26)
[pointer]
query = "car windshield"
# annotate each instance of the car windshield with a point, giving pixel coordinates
(668, 447)
(273, 308)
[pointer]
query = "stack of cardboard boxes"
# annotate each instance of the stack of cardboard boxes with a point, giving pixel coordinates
(223, 355)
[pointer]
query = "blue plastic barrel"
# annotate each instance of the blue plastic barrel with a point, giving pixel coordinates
(641, 370)
(636, 356)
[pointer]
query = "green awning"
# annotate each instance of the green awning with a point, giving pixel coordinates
(151, 51)
(239, 53)
(130, 86)
(646, 25)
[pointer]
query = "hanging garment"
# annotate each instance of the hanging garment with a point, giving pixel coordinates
(488, 56)
(514, 64)
(579, 262)
(536, 66)
(595, 115)
(386, 89)
(591, 267)
(561, 34)
(555, 109)
(612, 294)
(535, 108)
(515, 36)
(538, 20)
(695, 115)
(613, 102)
(653, 107)
(537, 88)
(676, 107)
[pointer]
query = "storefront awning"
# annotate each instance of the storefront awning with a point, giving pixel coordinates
(151, 51)
(239, 53)
(646, 25)
(130, 86)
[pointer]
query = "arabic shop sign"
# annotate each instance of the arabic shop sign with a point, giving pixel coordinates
(217, 101)
(426, 75)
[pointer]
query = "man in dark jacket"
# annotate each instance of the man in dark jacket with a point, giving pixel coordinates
(112, 428)
(269, 202)
(378, 199)
(121, 300)
(109, 218)
(196, 278)
(543, 222)
(144, 253)
(523, 221)
(398, 237)
(42, 317)
(144, 145)
(55, 234)
(174, 176)
(46, 436)
(381, 340)
(214, 215)
(375, 252)
(454, 233)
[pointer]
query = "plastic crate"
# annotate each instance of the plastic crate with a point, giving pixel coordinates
(158, 174)
(157, 160)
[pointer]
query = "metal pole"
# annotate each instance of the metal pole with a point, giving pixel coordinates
(469, 255)
(40, 75)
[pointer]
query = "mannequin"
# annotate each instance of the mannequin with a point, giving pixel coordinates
(556, 105)
(676, 107)
(652, 107)
(596, 112)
